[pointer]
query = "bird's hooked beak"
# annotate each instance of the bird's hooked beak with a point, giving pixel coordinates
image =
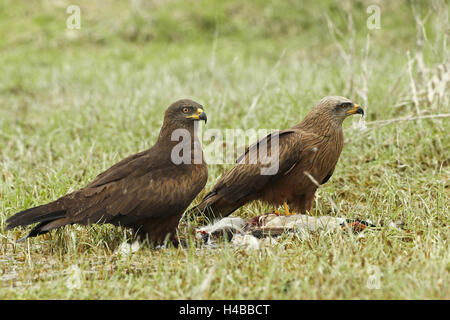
(201, 115)
(356, 109)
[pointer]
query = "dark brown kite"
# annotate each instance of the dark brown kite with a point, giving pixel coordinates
(147, 192)
(307, 155)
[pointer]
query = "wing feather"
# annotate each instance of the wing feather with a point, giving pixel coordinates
(246, 178)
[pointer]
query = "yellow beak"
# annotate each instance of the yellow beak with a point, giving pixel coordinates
(356, 109)
(201, 115)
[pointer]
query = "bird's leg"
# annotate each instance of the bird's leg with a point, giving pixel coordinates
(286, 209)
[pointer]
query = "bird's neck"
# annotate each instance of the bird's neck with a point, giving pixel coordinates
(321, 124)
(333, 136)
(183, 143)
(169, 132)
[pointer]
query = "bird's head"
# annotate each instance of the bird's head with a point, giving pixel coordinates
(337, 108)
(183, 113)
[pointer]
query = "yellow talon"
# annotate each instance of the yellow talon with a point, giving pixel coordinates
(286, 209)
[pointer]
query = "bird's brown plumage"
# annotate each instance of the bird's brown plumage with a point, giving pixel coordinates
(147, 191)
(307, 153)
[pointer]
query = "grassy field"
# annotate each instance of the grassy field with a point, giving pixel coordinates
(73, 102)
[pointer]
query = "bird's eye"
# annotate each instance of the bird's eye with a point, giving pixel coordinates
(346, 105)
(185, 110)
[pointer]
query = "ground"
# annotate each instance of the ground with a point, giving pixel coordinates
(74, 102)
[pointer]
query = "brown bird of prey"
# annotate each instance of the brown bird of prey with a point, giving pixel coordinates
(147, 192)
(307, 155)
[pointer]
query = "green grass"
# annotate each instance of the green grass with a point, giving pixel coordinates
(73, 103)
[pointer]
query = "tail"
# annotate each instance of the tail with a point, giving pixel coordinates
(48, 216)
(214, 206)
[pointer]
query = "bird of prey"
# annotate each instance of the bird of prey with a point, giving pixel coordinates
(307, 154)
(147, 192)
